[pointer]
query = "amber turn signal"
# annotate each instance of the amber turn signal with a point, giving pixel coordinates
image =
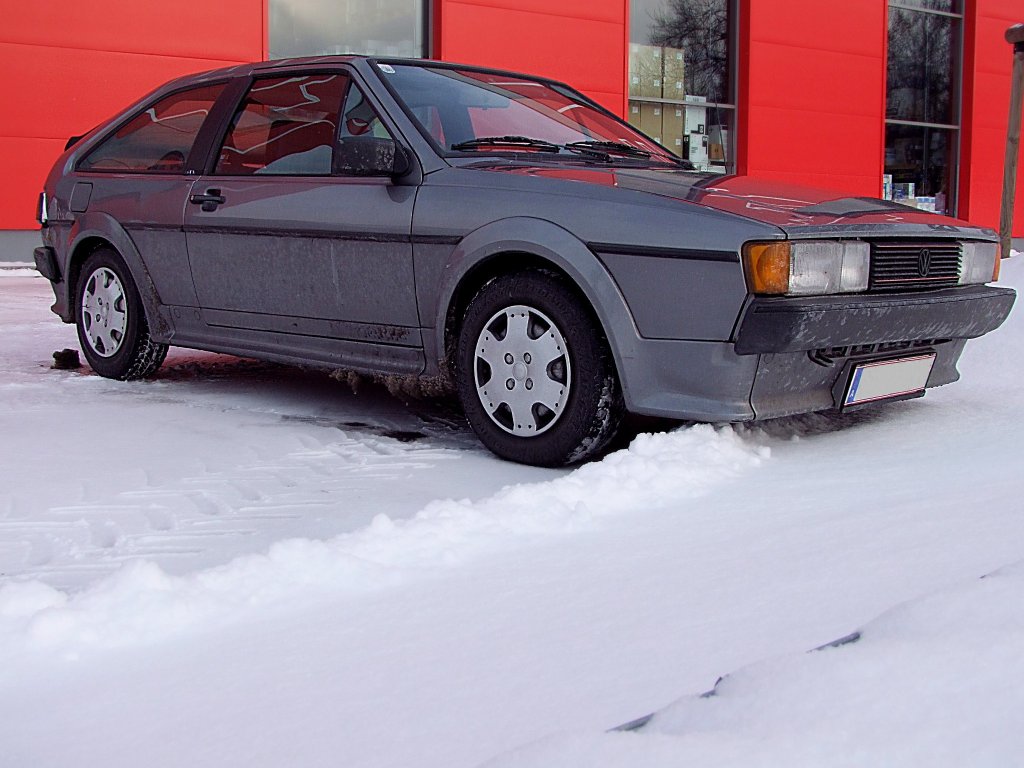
(767, 267)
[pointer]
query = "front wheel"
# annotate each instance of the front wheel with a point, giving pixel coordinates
(534, 373)
(112, 327)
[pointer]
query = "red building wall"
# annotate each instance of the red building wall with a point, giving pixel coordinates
(986, 108)
(67, 66)
(581, 42)
(812, 92)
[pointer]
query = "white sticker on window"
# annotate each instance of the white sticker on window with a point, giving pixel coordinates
(387, 69)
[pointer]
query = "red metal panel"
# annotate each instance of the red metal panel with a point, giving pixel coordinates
(852, 28)
(78, 86)
(26, 163)
(595, 10)
(839, 154)
(810, 110)
(226, 30)
(814, 87)
(580, 42)
(987, 65)
(67, 66)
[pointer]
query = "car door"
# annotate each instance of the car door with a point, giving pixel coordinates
(278, 242)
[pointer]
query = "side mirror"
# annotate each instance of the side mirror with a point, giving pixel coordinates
(370, 156)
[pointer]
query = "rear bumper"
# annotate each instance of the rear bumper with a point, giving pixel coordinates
(46, 263)
(786, 324)
(49, 264)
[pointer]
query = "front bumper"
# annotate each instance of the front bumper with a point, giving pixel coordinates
(791, 324)
(792, 355)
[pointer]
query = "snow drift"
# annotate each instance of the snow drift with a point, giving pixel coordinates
(935, 681)
(142, 604)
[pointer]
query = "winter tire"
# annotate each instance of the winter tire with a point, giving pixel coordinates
(534, 372)
(112, 326)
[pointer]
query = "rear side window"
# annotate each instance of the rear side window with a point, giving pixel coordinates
(285, 126)
(158, 139)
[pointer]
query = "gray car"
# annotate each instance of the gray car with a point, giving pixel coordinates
(503, 236)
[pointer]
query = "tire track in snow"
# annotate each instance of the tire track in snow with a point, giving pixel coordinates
(140, 603)
(170, 518)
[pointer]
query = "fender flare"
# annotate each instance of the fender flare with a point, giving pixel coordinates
(552, 243)
(105, 227)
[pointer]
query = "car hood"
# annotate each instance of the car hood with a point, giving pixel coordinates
(799, 211)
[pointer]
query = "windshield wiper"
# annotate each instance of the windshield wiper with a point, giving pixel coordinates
(524, 142)
(608, 147)
(605, 150)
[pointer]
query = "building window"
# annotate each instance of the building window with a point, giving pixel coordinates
(325, 27)
(682, 77)
(922, 126)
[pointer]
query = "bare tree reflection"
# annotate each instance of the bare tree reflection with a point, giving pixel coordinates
(922, 85)
(921, 66)
(701, 29)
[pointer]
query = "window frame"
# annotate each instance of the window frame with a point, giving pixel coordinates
(954, 130)
(426, 30)
(731, 164)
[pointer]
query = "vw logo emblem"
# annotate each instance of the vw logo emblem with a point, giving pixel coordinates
(924, 262)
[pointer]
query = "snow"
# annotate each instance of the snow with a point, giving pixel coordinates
(935, 681)
(18, 269)
(240, 563)
(443, 534)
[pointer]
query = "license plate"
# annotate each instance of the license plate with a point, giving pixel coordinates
(887, 379)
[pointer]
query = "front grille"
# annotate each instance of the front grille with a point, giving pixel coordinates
(907, 265)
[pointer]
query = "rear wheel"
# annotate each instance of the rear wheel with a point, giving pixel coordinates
(112, 327)
(534, 372)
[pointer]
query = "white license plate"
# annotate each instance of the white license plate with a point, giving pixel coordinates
(885, 379)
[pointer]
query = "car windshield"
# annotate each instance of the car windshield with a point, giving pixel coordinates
(465, 110)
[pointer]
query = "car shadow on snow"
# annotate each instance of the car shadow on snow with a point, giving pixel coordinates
(826, 422)
(396, 411)
(337, 400)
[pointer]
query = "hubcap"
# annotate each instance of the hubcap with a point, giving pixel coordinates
(522, 371)
(104, 312)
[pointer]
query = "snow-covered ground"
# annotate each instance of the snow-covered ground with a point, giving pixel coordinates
(244, 564)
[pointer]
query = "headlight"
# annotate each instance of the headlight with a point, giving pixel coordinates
(807, 267)
(979, 263)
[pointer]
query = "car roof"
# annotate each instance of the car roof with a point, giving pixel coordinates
(264, 67)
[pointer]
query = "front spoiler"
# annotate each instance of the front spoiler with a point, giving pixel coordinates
(797, 324)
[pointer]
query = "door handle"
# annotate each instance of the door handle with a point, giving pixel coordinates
(209, 201)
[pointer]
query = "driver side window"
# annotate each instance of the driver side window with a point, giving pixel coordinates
(285, 126)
